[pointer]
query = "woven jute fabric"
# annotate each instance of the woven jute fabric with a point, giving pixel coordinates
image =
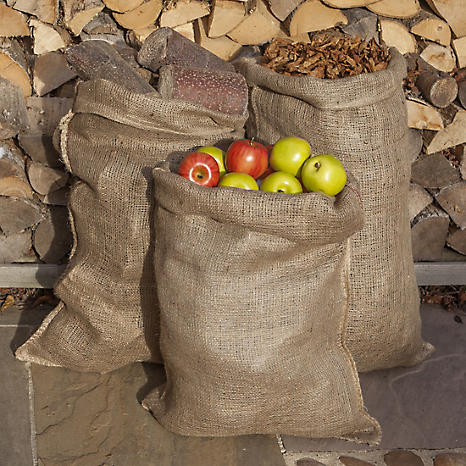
(362, 121)
(252, 289)
(111, 142)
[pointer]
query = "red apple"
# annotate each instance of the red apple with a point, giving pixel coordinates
(200, 168)
(247, 156)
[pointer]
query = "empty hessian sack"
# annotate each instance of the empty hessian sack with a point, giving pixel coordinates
(111, 142)
(362, 121)
(252, 288)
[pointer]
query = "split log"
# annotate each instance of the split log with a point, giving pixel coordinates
(396, 34)
(462, 93)
(14, 247)
(52, 238)
(13, 65)
(220, 91)
(67, 90)
(11, 160)
(423, 116)
(167, 47)
(312, 15)
(222, 47)
(434, 171)
(453, 200)
(97, 59)
(416, 143)
(51, 70)
(439, 57)
(141, 17)
(452, 135)
(260, 26)
(429, 231)
(13, 116)
(103, 23)
(456, 239)
(438, 87)
(44, 115)
(418, 200)
(18, 214)
(454, 13)
(44, 180)
(15, 187)
(12, 22)
(460, 153)
(78, 13)
(58, 197)
(348, 3)
(44, 10)
(186, 30)
(46, 38)
(225, 16)
(121, 6)
(395, 8)
(361, 23)
(430, 27)
(459, 46)
(281, 9)
(182, 12)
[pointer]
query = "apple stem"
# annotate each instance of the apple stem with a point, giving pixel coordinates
(317, 165)
(251, 141)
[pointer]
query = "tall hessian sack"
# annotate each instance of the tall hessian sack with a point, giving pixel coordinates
(362, 121)
(111, 142)
(252, 289)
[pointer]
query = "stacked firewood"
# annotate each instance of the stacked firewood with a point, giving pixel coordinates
(47, 46)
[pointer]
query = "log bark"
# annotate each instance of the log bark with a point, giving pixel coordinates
(429, 231)
(220, 91)
(167, 47)
(452, 135)
(14, 247)
(141, 17)
(430, 27)
(222, 47)
(103, 23)
(453, 200)
(438, 87)
(51, 70)
(423, 116)
(12, 22)
(454, 13)
(97, 59)
(13, 65)
(396, 34)
(52, 238)
(462, 93)
(48, 39)
(78, 13)
(281, 9)
(396, 8)
(418, 200)
(13, 117)
(456, 239)
(225, 16)
(44, 180)
(361, 23)
(58, 197)
(459, 46)
(18, 214)
(44, 115)
(312, 15)
(260, 26)
(44, 10)
(441, 58)
(182, 12)
(434, 171)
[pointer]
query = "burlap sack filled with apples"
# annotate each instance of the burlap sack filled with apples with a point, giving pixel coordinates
(252, 290)
(362, 121)
(111, 142)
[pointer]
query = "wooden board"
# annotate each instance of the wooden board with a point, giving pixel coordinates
(45, 275)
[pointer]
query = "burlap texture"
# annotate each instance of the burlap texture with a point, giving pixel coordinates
(111, 142)
(252, 289)
(362, 121)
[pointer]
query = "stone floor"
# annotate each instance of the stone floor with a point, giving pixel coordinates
(52, 416)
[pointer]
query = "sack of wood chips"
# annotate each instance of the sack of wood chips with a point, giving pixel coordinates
(361, 120)
(114, 137)
(252, 290)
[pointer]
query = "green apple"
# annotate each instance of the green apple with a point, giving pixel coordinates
(325, 174)
(217, 154)
(238, 180)
(288, 154)
(281, 182)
